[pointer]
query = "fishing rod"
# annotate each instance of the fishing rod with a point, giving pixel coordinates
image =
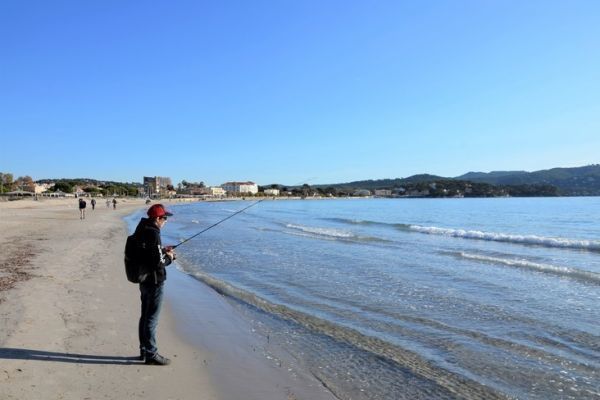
(213, 225)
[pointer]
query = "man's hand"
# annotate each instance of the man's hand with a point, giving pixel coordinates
(168, 250)
(171, 254)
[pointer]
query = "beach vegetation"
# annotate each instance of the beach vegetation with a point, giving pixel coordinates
(93, 190)
(185, 187)
(62, 186)
(6, 182)
(122, 189)
(24, 183)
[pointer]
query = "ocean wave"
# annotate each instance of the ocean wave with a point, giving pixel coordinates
(579, 244)
(333, 234)
(349, 221)
(322, 231)
(575, 273)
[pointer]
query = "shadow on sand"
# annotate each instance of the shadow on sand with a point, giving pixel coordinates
(38, 355)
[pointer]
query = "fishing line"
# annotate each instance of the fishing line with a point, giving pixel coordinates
(215, 224)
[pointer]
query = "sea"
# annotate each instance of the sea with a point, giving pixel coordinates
(413, 298)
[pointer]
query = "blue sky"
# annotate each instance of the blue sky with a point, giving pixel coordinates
(296, 91)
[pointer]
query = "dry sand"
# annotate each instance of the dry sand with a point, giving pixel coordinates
(68, 316)
(69, 319)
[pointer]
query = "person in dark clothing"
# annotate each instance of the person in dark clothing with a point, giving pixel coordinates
(82, 205)
(93, 204)
(154, 259)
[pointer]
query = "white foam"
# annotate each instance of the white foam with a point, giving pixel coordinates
(518, 263)
(548, 268)
(337, 233)
(503, 237)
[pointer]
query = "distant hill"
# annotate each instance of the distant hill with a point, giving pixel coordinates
(386, 183)
(485, 176)
(578, 181)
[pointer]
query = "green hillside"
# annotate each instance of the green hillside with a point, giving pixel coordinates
(578, 181)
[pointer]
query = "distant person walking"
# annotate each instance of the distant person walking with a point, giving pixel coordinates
(93, 204)
(154, 258)
(82, 205)
(107, 203)
(114, 204)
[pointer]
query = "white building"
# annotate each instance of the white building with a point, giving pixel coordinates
(272, 192)
(240, 187)
(43, 187)
(216, 191)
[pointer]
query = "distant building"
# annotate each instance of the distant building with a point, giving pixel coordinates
(216, 191)
(272, 192)
(197, 191)
(361, 192)
(43, 187)
(156, 186)
(79, 192)
(399, 191)
(236, 188)
(383, 192)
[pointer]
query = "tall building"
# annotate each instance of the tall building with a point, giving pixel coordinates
(155, 186)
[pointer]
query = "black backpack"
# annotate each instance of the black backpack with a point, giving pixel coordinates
(133, 258)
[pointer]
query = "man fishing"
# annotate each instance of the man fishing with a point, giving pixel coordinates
(153, 260)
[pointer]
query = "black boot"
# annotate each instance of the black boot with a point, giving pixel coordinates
(157, 359)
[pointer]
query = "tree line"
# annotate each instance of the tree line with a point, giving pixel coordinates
(8, 183)
(90, 186)
(429, 187)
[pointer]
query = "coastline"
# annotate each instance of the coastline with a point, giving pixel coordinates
(241, 362)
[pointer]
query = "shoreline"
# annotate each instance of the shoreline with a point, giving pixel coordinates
(69, 319)
(240, 361)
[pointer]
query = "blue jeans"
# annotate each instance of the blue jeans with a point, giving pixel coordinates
(151, 296)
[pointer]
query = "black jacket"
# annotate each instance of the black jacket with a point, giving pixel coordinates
(154, 260)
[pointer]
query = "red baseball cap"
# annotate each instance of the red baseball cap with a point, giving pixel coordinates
(157, 211)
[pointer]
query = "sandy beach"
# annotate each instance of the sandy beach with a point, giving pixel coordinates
(68, 315)
(69, 319)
